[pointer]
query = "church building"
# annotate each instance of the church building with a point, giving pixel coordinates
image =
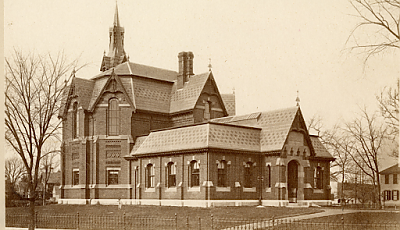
(137, 134)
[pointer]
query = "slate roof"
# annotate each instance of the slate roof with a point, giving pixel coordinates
(229, 102)
(186, 98)
(395, 169)
(207, 135)
(275, 126)
(149, 88)
(319, 148)
(129, 69)
(81, 88)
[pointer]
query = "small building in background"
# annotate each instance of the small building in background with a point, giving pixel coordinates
(390, 185)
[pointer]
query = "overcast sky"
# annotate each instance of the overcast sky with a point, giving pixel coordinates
(266, 50)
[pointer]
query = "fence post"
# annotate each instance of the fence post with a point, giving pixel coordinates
(36, 219)
(77, 219)
(176, 222)
(187, 222)
(123, 220)
(199, 223)
(342, 221)
(273, 221)
(212, 222)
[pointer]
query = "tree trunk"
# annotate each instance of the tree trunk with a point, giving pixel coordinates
(32, 217)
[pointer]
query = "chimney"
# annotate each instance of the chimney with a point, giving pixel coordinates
(189, 65)
(182, 75)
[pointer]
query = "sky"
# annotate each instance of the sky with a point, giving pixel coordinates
(265, 50)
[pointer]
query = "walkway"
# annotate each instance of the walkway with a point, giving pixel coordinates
(326, 212)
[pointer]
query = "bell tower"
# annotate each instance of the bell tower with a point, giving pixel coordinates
(116, 54)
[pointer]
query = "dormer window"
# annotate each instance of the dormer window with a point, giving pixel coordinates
(113, 117)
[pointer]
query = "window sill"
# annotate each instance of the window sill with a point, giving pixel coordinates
(194, 189)
(318, 190)
(112, 186)
(223, 189)
(250, 189)
(170, 189)
(150, 190)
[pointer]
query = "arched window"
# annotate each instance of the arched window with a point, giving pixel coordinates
(318, 177)
(194, 174)
(171, 174)
(150, 176)
(247, 175)
(222, 174)
(268, 176)
(75, 120)
(113, 117)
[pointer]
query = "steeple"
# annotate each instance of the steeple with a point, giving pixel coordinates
(116, 54)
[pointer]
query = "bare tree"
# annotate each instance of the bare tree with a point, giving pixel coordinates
(14, 170)
(388, 102)
(33, 91)
(380, 20)
(367, 134)
(338, 145)
(49, 162)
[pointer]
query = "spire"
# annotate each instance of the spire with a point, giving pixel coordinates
(116, 54)
(116, 18)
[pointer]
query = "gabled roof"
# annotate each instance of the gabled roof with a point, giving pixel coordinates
(186, 98)
(99, 91)
(206, 135)
(395, 169)
(79, 87)
(319, 148)
(275, 126)
(134, 69)
(83, 89)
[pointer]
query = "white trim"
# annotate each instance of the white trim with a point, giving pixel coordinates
(223, 189)
(318, 191)
(75, 170)
(113, 168)
(150, 190)
(280, 185)
(253, 189)
(192, 203)
(194, 189)
(171, 189)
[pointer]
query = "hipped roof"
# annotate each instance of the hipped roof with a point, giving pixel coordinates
(149, 88)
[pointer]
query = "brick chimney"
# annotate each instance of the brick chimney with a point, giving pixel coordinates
(185, 68)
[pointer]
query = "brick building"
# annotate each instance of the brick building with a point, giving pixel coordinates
(145, 135)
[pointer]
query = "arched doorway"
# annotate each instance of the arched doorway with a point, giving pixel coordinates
(293, 178)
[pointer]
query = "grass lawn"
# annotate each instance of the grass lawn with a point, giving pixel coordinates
(222, 216)
(165, 211)
(361, 217)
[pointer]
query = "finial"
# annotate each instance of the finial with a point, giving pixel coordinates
(233, 90)
(298, 99)
(209, 65)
